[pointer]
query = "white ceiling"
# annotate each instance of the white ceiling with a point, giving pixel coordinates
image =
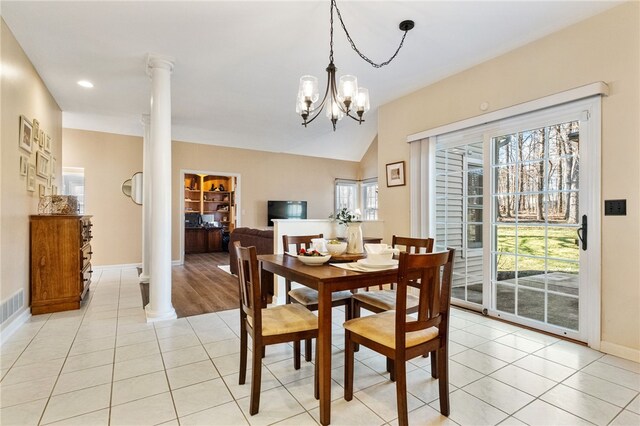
(237, 63)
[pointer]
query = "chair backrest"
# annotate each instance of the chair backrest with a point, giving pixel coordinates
(249, 283)
(413, 245)
(299, 241)
(434, 271)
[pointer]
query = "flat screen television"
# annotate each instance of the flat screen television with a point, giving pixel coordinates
(286, 210)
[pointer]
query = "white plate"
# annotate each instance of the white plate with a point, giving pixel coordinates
(314, 260)
(387, 264)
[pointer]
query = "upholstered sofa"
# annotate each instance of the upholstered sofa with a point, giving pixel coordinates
(261, 239)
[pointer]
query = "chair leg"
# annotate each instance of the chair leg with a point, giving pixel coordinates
(256, 379)
(316, 380)
(349, 347)
(296, 354)
(443, 385)
(355, 313)
(434, 364)
(243, 353)
(391, 369)
(401, 391)
(307, 350)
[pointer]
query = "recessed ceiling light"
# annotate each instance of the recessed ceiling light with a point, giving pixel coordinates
(85, 83)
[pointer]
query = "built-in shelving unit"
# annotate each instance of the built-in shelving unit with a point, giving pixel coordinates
(211, 195)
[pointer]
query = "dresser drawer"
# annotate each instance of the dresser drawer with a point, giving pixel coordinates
(86, 280)
(85, 256)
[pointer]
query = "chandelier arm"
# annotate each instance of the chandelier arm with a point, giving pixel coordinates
(324, 98)
(353, 44)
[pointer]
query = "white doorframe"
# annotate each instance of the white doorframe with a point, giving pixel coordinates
(237, 197)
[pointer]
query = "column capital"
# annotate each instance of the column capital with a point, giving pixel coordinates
(159, 61)
(145, 119)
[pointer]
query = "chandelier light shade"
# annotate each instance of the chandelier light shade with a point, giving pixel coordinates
(345, 98)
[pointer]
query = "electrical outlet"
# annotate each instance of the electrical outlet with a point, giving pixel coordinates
(615, 207)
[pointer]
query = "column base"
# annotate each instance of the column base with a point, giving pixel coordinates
(153, 316)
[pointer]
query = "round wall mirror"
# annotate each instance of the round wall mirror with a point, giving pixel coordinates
(126, 187)
(136, 188)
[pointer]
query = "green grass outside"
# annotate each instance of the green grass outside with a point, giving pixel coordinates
(560, 243)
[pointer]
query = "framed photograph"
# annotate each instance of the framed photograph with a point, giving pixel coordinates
(41, 138)
(54, 190)
(43, 166)
(47, 142)
(395, 174)
(24, 165)
(53, 168)
(41, 191)
(49, 182)
(31, 178)
(26, 134)
(36, 130)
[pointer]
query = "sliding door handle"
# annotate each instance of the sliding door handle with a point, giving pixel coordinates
(582, 232)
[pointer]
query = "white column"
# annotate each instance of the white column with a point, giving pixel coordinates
(146, 198)
(160, 308)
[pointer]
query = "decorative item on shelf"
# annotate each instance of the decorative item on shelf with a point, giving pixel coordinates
(354, 229)
(395, 174)
(213, 187)
(58, 204)
(345, 98)
(221, 187)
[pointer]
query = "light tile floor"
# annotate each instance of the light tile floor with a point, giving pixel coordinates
(103, 364)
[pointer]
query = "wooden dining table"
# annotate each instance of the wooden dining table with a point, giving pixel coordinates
(325, 279)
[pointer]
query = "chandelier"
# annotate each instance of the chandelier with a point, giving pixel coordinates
(344, 98)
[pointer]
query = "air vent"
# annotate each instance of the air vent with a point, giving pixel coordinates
(11, 305)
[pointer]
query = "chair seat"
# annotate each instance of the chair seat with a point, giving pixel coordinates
(381, 328)
(384, 299)
(309, 296)
(284, 319)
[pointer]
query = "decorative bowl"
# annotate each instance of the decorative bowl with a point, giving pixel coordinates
(314, 260)
(337, 248)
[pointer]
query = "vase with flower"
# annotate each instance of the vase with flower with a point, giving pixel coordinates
(352, 222)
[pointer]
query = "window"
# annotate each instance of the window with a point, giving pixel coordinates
(73, 184)
(358, 196)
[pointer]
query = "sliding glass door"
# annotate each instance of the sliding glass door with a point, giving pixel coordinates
(515, 199)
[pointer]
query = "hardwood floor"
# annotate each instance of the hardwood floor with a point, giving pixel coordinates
(200, 287)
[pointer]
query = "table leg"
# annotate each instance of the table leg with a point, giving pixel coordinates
(266, 286)
(324, 350)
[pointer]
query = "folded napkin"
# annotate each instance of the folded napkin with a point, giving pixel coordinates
(354, 266)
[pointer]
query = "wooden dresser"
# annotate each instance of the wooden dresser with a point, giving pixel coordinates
(60, 262)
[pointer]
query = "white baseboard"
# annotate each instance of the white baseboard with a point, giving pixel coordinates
(11, 327)
(620, 351)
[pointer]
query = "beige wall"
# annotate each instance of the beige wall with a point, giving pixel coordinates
(23, 93)
(369, 162)
(108, 160)
(603, 48)
(264, 176)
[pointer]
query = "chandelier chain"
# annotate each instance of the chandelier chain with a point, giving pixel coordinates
(331, 32)
(353, 44)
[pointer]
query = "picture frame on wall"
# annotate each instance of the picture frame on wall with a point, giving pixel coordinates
(31, 178)
(54, 190)
(26, 134)
(53, 168)
(42, 165)
(24, 165)
(395, 174)
(36, 130)
(41, 138)
(41, 191)
(49, 182)
(47, 143)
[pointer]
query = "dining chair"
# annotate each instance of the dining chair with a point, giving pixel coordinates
(385, 299)
(401, 337)
(266, 326)
(308, 297)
